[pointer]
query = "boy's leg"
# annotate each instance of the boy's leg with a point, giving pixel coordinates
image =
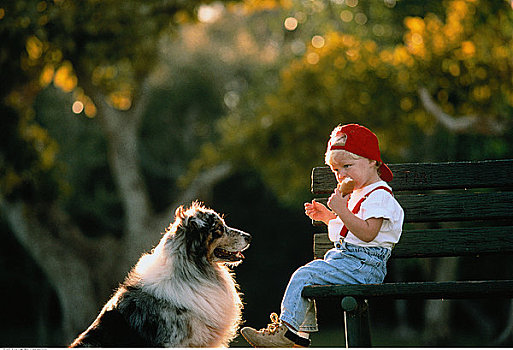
(299, 312)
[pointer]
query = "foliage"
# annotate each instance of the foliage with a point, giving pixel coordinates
(367, 65)
(83, 47)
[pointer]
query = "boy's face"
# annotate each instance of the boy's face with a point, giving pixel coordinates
(363, 171)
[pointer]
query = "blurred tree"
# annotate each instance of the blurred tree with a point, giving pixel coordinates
(104, 53)
(401, 75)
(431, 79)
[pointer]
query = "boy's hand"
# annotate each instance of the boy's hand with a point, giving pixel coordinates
(317, 211)
(338, 202)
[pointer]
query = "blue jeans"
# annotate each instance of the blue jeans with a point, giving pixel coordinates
(345, 264)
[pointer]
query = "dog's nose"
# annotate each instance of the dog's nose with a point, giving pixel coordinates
(245, 235)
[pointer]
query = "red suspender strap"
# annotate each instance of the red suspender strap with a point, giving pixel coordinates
(356, 209)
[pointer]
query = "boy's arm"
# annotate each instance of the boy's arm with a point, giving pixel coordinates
(366, 230)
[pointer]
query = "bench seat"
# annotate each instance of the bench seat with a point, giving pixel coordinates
(415, 290)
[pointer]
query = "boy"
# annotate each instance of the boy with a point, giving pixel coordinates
(364, 226)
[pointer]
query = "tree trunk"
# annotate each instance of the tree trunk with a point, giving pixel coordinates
(66, 272)
(84, 271)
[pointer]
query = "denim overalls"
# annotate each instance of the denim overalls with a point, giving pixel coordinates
(344, 264)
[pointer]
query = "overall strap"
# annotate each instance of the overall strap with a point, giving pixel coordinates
(356, 209)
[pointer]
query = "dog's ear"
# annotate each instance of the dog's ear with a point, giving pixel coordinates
(179, 212)
(196, 236)
(180, 215)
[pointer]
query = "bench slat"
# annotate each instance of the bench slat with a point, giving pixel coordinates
(441, 242)
(413, 290)
(454, 206)
(433, 176)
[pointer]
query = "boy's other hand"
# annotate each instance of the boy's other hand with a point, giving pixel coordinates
(317, 211)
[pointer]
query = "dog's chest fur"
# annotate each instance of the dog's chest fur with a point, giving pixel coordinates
(178, 313)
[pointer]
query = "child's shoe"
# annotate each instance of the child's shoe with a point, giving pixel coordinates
(276, 335)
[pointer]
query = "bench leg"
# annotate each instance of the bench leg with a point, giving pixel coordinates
(356, 322)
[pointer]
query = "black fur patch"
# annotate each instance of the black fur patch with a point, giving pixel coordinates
(112, 330)
(144, 312)
(137, 322)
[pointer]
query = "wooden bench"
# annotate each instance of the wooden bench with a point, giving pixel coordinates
(451, 209)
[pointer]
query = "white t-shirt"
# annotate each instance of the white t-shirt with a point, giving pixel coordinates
(379, 204)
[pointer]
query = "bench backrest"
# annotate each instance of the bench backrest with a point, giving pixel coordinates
(451, 209)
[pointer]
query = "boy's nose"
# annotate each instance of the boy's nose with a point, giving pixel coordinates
(341, 175)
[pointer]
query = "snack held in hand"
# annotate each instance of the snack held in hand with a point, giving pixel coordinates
(346, 186)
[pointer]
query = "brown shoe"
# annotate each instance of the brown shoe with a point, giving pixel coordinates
(276, 335)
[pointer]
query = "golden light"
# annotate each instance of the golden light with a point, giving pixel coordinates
(415, 24)
(468, 48)
(121, 100)
(34, 47)
(210, 13)
(77, 107)
(352, 3)
(90, 109)
(65, 78)
(360, 18)
(318, 41)
(46, 75)
(454, 69)
(417, 39)
(346, 16)
(290, 23)
(312, 58)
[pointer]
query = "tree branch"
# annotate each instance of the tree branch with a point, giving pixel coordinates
(463, 124)
(198, 188)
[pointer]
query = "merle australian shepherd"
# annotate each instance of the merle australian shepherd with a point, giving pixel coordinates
(182, 294)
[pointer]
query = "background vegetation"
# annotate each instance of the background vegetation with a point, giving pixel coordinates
(115, 112)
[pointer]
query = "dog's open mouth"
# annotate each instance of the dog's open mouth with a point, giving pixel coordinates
(226, 255)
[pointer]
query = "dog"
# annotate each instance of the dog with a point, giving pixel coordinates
(182, 294)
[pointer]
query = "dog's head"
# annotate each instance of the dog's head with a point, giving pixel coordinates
(207, 237)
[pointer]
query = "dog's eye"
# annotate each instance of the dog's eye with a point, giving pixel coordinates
(218, 230)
